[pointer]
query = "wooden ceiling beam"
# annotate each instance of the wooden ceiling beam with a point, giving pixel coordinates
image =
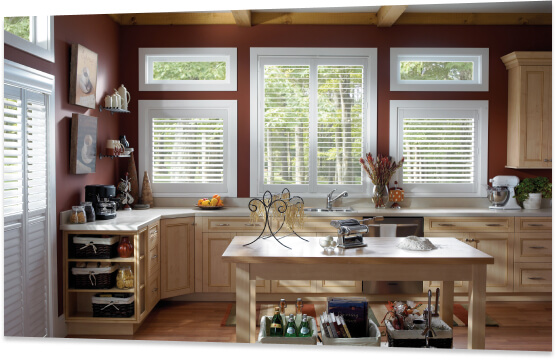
(242, 17)
(387, 15)
(272, 18)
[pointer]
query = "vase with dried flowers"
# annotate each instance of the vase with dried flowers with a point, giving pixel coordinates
(380, 171)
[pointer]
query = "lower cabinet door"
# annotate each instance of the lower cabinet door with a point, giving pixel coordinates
(500, 246)
(293, 286)
(218, 276)
(533, 277)
(152, 295)
(177, 256)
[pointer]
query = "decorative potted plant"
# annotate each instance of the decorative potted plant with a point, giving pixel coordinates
(380, 171)
(529, 192)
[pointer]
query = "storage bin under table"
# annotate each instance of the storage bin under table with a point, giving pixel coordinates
(95, 247)
(114, 307)
(264, 338)
(413, 338)
(372, 340)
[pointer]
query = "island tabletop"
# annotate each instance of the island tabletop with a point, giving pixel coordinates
(381, 259)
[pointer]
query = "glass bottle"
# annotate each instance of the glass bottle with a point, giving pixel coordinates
(276, 323)
(304, 329)
(78, 215)
(298, 312)
(283, 307)
(291, 330)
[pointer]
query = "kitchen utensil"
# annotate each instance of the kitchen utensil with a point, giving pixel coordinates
(125, 97)
(107, 101)
(114, 147)
(101, 196)
(116, 100)
(501, 193)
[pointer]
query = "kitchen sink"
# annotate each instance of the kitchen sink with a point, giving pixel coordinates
(333, 209)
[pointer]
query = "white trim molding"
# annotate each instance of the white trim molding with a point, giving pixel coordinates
(478, 56)
(148, 56)
(443, 109)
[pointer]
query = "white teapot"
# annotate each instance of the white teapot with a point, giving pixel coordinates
(126, 96)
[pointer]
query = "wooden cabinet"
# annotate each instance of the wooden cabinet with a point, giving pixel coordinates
(533, 277)
(218, 276)
(529, 143)
(500, 246)
(152, 285)
(177, 253)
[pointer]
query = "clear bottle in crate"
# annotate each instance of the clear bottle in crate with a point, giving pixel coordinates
(78, 215)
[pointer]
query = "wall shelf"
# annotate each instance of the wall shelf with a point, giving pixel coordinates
(113, 110)
(100, 156)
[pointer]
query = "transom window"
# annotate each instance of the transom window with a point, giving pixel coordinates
(444, 144)
(32, 34)
(312, 118)
(438, 69)
(188, 69)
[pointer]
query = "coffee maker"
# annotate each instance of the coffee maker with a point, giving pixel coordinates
(102, 197)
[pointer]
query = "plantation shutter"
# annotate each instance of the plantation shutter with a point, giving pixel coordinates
(439, 150)
(340, 121)
(286, 124)
(25, 213)
(188, 150)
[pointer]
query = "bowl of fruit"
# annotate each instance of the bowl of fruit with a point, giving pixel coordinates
(210, 204)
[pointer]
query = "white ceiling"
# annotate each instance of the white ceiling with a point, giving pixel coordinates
(477, 7)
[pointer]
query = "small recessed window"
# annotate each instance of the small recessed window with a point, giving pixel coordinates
(438, 69)
(32, 34)
(188, 69)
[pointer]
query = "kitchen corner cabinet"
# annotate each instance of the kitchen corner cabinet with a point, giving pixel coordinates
(78, 302)
(529, 143)
(177, 245)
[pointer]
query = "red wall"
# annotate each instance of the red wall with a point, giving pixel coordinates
(501, 40)
(99, 34)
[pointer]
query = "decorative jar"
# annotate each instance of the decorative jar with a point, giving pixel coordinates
(380, 196)
(125, 247)
(124, 279)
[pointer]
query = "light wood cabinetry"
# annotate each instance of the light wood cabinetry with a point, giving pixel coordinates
(529, 109)
(153, 266)
(177, 253)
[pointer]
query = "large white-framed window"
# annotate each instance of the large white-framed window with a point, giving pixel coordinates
(187, 69)
(29, 203)
(32, 34)
(439, 69)
(444, 144)
(313, 115)
(189, 147)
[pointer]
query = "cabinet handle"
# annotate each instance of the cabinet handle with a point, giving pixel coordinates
(537, 247)
(446, 225)
(155, 289)
(223, 225)
(466, 240)
(252, 224)
(536, 278)
(154, 256)
(547, 160)
(493, 224)
(535, 225)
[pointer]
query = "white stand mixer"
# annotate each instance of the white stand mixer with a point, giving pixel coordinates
(501, 193)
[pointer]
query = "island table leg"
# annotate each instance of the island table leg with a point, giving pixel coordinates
(477, 308)
(447, 302)
(245, 305)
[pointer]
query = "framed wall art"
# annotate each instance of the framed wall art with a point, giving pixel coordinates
(83, 147)
(83, 76)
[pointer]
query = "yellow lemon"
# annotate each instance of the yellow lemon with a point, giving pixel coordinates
(205, 203)
(213, 202)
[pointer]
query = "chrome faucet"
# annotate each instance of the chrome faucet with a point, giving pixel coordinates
(330, 200)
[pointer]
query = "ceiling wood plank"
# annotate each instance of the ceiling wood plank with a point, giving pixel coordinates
(242, 17)
(474, 19)
(178, 19)
(387, 15)
(272, 18)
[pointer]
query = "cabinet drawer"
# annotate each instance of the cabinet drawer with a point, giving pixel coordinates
(231, 224)
(533, 247)
(321, 225)
(153, 235)
(152, 295)
(459, 224)
(536, 224)
(153, 260)
(535, 277)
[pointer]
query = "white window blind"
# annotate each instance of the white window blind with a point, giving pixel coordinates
(188, 150)
(313, 119)
(444, 145)
(25, 213)
(189, 146)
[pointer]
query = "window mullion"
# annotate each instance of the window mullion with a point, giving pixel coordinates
(313, 125)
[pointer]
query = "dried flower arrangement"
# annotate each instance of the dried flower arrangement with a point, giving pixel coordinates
(380, 171)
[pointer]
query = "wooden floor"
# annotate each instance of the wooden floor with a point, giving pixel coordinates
(525, 326)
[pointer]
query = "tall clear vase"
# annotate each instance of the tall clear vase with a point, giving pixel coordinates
(380, 196)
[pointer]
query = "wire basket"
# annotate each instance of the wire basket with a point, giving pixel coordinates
(414, 339)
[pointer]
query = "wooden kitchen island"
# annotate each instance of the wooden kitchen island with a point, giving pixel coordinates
(266, 259)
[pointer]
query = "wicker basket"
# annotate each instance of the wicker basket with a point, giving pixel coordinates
(372, 340)
(93, 278)
(413, 338)
(95, 247)
(122, 306)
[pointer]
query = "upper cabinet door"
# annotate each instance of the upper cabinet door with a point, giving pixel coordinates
(529, 110)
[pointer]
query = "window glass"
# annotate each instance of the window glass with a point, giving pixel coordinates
(19, 26)
(189, 70)
(436, 70)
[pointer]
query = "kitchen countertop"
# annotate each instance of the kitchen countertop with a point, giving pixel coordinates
(136, 219)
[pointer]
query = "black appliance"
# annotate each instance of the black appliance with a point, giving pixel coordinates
(103, 198)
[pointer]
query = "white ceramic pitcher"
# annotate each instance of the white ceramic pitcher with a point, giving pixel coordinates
(126, 96)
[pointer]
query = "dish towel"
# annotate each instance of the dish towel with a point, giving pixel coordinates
(388, 230)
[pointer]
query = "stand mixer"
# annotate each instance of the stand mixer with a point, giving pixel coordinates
(501, 193)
